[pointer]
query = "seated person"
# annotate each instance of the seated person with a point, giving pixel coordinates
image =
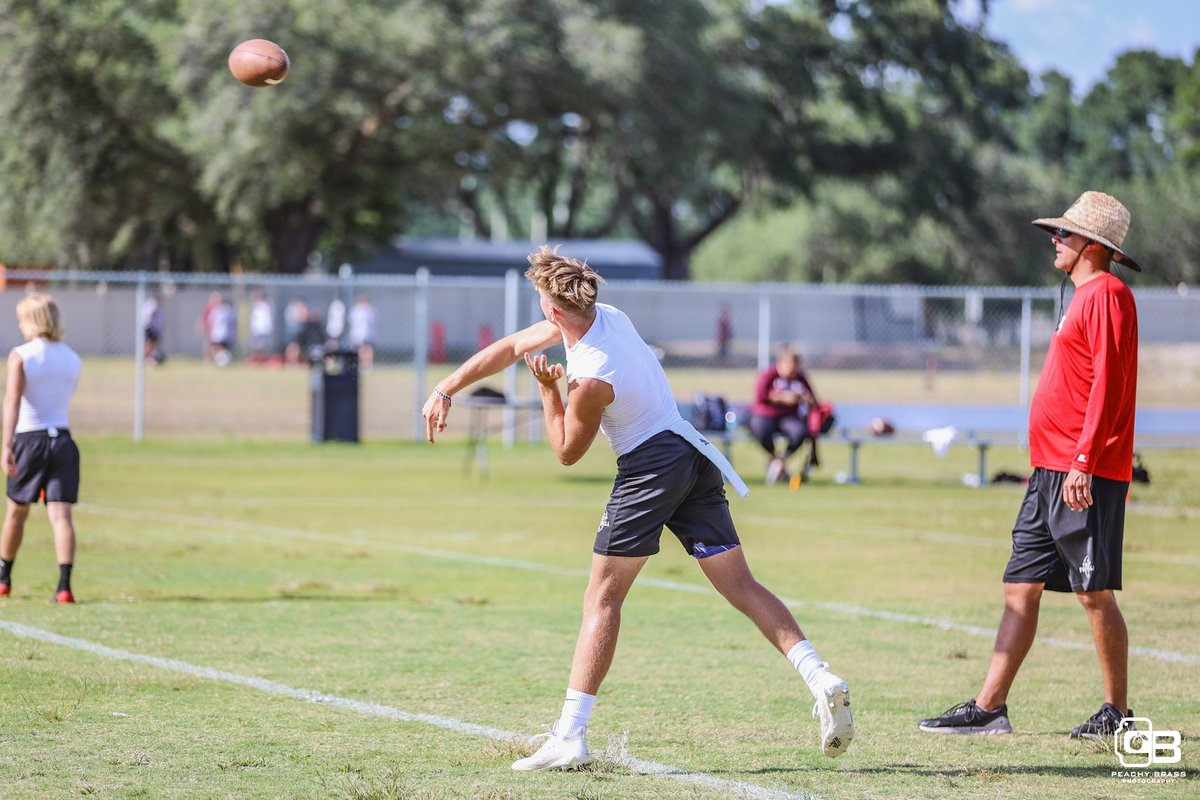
(782, 397)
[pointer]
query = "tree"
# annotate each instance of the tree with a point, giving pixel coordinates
(129, 144)
(1046, 128)
(716, 102)
(1125, 121)
(84, 177)
(1186, 116)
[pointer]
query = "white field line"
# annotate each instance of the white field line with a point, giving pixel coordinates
(533, 566)
(738, 788)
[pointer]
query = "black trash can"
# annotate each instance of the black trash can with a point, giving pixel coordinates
(335, 397)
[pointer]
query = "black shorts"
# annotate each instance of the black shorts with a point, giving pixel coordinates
(666, 481)
(45, 462)
(1069, 551)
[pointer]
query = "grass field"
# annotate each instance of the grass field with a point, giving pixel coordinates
(382, 575)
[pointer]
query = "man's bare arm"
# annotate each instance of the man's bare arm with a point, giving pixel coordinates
(490, 360)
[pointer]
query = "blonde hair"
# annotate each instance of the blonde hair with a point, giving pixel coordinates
(568, 281)
(39, 314)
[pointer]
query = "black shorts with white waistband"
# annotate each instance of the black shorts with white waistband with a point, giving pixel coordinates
(1069, 551)
(666, 481)
(46, 461)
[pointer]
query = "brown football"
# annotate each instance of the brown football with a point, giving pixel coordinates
(258, 62)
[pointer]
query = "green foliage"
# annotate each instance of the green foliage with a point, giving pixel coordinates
(910, 144)
(1125, 122)
(1133, 135)
(84, 170)
(127, 126)
(855, 232)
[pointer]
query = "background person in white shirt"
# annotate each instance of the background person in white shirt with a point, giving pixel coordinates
(335, 323)
(262, 326)
(38, 453)
(667, 474)
(362, 330)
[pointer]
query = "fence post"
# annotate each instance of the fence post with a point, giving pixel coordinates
(534, 432)
(139, 361)
(420, 350)
(1026, 344)
(346, 277)
(512, 290)
(1026, 352)
(764, 331)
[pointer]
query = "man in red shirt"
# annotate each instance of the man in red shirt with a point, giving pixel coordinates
(1068, 534)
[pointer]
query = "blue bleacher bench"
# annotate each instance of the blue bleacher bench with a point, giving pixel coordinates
(978, 426)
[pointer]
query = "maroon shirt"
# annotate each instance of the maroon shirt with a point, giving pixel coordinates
(770, 380)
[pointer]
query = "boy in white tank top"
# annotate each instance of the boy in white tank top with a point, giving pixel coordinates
(38, 454)
(667, 475)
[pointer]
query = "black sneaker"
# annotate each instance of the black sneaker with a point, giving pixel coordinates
(1103, 724)
(969, 718)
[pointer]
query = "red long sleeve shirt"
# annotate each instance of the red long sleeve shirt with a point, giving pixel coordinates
(1082, 412)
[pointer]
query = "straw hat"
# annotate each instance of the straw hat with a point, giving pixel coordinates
(1096, 216)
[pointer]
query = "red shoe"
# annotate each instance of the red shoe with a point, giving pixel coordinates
(64, 597)
(5, 589)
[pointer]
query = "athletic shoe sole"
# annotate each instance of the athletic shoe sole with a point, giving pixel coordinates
(568, 763)
(556, 754)
(836, 709)
(996, 726)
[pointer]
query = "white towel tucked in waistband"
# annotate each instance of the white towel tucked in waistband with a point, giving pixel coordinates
(710, 451)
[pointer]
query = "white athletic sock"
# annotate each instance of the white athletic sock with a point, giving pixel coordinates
(576, 711)
(806, 661)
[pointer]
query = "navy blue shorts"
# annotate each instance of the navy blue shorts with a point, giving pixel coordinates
(45, 463)
(1069, 551)
(666, 481)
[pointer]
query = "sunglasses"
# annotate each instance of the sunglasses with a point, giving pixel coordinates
(1063, 233)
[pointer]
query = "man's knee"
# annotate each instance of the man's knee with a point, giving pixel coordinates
(1023, 594)
(18, 511)
(1098, 601)
(58, 512)
(607, 588)
(600, 601)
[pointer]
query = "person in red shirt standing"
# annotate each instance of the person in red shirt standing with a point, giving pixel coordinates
(1069, 530)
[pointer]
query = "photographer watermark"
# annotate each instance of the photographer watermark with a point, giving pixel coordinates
(1146, 753)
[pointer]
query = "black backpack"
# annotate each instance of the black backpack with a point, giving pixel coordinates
(708, 412)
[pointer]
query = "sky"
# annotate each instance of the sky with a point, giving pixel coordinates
(1082, 38)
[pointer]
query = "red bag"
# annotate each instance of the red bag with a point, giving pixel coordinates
(820, 419)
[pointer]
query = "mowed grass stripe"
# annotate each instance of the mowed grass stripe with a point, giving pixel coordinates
(940, 537)
(670, 585)
(747, 790)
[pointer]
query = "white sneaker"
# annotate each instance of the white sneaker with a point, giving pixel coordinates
(833, 709)
(558, 752)
(774, 471)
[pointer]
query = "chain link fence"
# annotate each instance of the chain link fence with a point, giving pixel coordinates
(229, 355)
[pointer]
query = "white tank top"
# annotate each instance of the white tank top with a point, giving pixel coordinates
(51, 372)
(612, 351)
